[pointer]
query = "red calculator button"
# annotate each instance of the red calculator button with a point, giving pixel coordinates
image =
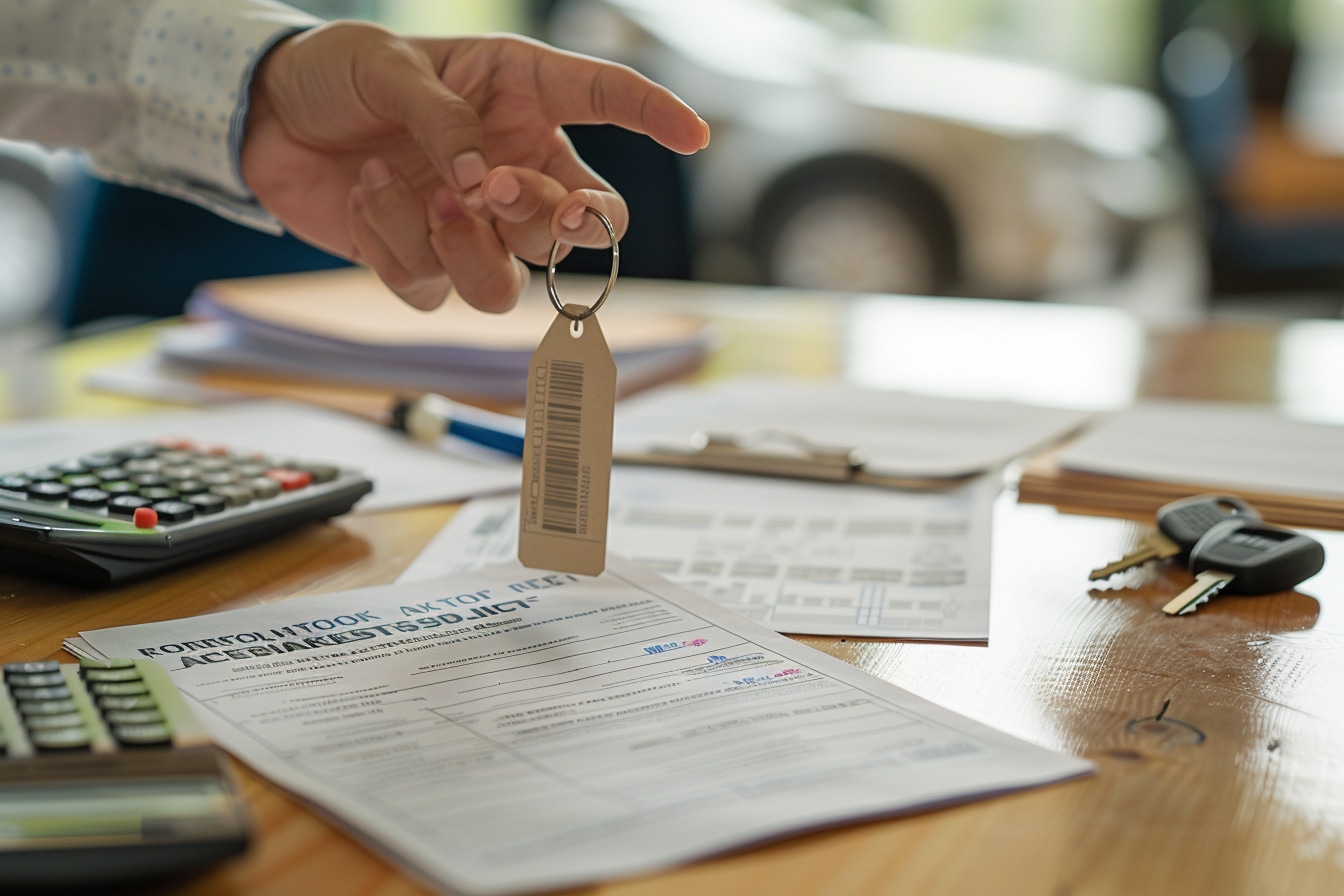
(145, 518)
(175, 443)
(290, 480)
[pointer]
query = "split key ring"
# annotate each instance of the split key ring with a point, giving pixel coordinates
(611, 280)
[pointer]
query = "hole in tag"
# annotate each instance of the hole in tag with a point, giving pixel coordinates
(576, 328)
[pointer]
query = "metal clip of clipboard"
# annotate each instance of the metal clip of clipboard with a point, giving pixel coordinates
(774, 451)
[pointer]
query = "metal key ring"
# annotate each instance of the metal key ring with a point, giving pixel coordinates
(611, 280)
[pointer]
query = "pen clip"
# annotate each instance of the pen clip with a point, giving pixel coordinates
(767, 451)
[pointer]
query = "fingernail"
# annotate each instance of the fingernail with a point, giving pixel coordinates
(446, 206)
(505, 189)
(572, 219)
(469, 169)
(474, 201)
(375, 174)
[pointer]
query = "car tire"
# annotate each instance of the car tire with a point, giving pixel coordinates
(858, 228)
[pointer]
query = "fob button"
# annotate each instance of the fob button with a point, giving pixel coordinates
(32, 668)
(206, 503)
(174, 511)
(47, 707)
(48, 722)
(89, 497)
(126, 505)
(35, 679)
(49, 693)
(118, 688)
(60, 739)
(140, 701)
(142, 735)
(48, 491)
(127, 674)
(133, 717)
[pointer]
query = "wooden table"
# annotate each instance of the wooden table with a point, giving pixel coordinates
(1218, 737)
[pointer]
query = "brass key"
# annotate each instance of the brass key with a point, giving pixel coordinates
(1153, 546)
(1180, 525)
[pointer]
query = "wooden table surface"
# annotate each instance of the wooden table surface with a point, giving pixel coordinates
(1218, 737)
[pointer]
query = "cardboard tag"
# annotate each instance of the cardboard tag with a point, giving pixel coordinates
(571, 401)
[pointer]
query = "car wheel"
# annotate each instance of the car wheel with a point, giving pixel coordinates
(855, 233)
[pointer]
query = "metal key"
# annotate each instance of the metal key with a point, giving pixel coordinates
(1180, 525)
(1247, 556)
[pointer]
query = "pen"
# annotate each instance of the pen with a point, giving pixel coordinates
(428, 418)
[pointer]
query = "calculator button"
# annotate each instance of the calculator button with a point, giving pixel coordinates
(60, 739)
(32, 668)
(178, 472)
(219, 477)
(112, 474)
(142, 466)
(249, 470)
(172, 458)
(158, 493)
(148, 480)
(139, 701)
(235, 495)
(25, 693)
(207, 504)
(129, 673)
(214, 464)
(139, 451)
(321, 472)
(174, 511)
(47, 707)
(142, 735)
(118, 688)
(119, 662)
(42, 474)
(187, 487)
(49, 722)
(145, 517)
(263, 488)
(14, 483)
(126, 505)
(290, 480)
(91, 498)
(35, 679)
(53, 492)
(98, 460)
(133, 716)
(81, 480)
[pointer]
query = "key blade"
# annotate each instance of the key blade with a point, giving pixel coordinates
(1207, 584)
(1154, 546)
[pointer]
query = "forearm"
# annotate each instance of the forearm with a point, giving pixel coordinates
(155, 92)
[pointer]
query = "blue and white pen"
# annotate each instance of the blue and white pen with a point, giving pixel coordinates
(430, 417)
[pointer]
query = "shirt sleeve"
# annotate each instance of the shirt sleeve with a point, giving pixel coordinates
(154, 91)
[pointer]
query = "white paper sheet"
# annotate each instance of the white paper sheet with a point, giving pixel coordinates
(799, 557)
(899, 434)
(507, 731)
(1214, 444)
(404, 473)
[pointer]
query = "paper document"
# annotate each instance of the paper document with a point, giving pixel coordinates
(898, 434)
(508, 731)
(800, 557)
(404, 473)
(1214, 444)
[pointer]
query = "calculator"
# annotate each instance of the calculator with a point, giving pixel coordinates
(113, 516)
(107, 777)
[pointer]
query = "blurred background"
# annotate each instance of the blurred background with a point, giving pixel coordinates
(1173, 157)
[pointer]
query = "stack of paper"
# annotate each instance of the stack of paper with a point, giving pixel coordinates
(345, 326)
(1136, 461)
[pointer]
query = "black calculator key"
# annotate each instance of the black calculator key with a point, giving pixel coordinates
(42, 474)
(45, 490)
(91, 498)
(50, 722)
(129, 673)
(207, 503)
(32, 668)
(174, 511)
(121, 487)
(47, 707)
(137, 701)
(158, 493)
(126, 505)
(60, 739)
(118, 688)
(142, 735)
(14, 483)
(35, 679)
(49, 693)
(133, 717)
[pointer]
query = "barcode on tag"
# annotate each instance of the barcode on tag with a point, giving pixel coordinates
(567, 450)
(560, 449)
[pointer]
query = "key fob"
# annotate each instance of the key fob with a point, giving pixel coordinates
(1263, 558)
(1187, 520)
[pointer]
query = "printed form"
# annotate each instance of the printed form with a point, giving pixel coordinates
(802, 557)
(507, 731)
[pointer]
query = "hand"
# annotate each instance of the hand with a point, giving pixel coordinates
(440, 163)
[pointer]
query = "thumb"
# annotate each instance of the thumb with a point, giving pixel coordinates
(400, 85)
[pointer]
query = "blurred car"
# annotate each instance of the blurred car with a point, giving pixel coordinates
(841, 159)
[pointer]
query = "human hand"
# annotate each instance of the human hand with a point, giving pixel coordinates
(440, 163)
